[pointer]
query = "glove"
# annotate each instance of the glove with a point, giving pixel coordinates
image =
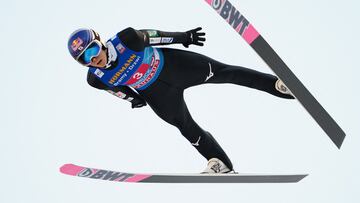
(138, 103)
(194, 37)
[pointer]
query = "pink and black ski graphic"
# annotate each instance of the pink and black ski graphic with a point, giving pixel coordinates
(101, 174)
(242, 26)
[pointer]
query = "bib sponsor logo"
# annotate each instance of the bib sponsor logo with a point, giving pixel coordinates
(99, 73)
(120, 48)
(153, 71)
(139, 74)
(131, 62)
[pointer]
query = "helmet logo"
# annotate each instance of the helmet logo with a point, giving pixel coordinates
(76, 44)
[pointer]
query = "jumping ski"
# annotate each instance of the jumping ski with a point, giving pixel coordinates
(93, 173)
(242, 26)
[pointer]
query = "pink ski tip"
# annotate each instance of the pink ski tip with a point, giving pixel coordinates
(70, 169)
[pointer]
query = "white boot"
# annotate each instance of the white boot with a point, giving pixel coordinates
(215, 166)
(281, 87)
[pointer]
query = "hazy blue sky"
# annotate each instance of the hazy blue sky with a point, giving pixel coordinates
(51, 116)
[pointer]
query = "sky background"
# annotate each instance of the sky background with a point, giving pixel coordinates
(50, 116)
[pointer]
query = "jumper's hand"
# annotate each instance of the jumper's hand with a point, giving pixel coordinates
(195, 37)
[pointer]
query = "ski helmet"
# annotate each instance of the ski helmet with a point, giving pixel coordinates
(80, 40)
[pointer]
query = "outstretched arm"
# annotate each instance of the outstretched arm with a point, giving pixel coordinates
(156, 37)
(137, 40)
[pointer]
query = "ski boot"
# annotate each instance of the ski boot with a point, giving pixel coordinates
(280, 86)
(216, 166)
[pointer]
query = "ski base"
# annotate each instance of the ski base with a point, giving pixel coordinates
(101, 174)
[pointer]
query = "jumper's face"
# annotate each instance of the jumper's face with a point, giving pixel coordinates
(94, 55)
(100, 60)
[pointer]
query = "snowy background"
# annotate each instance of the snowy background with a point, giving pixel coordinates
(49, 115)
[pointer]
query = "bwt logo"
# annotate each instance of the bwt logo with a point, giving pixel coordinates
(231, 14)
(104, 175)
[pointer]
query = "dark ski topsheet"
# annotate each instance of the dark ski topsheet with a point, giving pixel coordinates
(229, 13)
(308, 101)
(93, 173)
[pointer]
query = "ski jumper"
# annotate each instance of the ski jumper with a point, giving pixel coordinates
(160, 76)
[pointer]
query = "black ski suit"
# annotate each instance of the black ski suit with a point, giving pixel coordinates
(181, 70)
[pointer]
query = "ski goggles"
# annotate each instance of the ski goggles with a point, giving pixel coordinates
(91, 51)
